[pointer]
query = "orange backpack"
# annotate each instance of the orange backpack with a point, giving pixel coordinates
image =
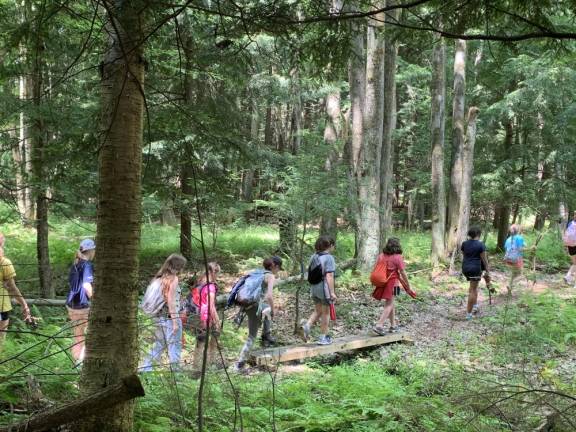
(380, 276)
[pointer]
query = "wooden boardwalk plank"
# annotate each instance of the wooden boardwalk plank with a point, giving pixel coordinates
(298, 352)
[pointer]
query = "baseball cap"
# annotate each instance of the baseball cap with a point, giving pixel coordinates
(87, 244)
(277, 260)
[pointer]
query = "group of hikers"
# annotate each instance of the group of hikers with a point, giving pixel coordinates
(172, 312)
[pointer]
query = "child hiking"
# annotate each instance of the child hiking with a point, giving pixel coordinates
(391, 260)
(569, 239)
(9, 289)
(80, 280)
(208, 319)
(474, 262)
(514, 251)
(168, 334)
(255, 294)
(321, 278)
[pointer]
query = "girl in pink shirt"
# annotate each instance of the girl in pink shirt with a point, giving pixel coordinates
(207, 290)
(391, 256)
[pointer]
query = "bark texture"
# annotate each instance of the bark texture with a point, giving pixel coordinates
(112, 337)
(457, 143)
(437, 128)
(390, 116)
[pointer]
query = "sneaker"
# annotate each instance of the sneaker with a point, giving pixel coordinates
(468, 317)
(393, 329)
(475, 309)
(305, 330)
(568, 280)
(238, 366)
(379, 330)
(324, 340)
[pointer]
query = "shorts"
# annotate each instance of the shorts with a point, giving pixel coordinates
(4, 315)
(518, 264)
(321, 301)
(472, 275)
(571, 250)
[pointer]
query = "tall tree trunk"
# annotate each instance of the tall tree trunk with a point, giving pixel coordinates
(248, 174)
(357, 78)
(467, 171)
(186, 191)
(386, 170)
(112, 337)
(454, 196)
(368, 170)
(437, 127)
(38, 143)
(504, 215)
(332, 132)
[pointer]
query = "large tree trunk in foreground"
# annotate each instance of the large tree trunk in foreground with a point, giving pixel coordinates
(387, 154)
(332, 132)
(457, 144)
(112, 337)
(367, 172)
(437, 127)
(467, 171)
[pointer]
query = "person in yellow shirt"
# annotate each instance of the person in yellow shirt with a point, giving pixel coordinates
(9, 289)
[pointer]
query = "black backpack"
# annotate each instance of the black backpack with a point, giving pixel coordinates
(315, 270)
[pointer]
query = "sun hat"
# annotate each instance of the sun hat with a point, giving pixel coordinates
(87, 244)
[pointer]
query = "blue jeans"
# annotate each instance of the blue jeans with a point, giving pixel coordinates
(164, 338)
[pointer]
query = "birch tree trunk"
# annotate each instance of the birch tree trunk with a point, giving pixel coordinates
(112, 337)
(437, 128)
(386, 171)
(455, 196)
(368, 170)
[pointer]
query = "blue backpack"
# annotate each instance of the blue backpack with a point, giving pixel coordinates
(248, 289)
(77, 297)
(513, 253)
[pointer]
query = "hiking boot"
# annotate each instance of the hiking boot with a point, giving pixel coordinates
(268, 340)
(324, 340)
(304, 330)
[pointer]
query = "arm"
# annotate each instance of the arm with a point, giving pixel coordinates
(171, 303)
(88, 278)
(330, 282)
(88, 288)
(402, 274)
(15, 292)
(484, 260)
(214, 318)
(269, 297)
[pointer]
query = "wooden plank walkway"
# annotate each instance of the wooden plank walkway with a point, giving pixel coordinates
(281, 354)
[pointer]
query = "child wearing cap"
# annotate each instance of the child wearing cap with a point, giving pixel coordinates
(80, 278)
(254, 312)
(8, 289)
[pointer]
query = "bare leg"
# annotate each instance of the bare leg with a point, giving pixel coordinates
(3, 328)
(472, 296)
(324, 318)
(388, 306)
(315, 315)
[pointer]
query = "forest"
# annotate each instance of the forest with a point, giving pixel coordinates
(183, 184)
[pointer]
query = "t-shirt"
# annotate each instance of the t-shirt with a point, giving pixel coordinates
(471, 250)
(394, 263)
(321, 290)
(6, 272)
(80, 273)
(205, 290)
(518, 242)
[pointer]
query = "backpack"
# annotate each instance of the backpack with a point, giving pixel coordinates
(234, 291)
(512, 254)
(251, 290)
(315, 270)
(153, 300)
(570, 234)
(380, 276)
(77, 297)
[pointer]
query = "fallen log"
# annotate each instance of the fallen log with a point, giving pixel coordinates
(127, 389)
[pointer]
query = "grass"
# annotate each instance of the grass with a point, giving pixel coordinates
(530, 342)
